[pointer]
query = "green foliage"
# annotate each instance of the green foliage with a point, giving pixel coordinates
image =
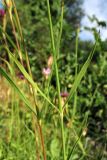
(55, 126)
(34, 20)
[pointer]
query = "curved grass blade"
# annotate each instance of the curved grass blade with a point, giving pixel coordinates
(57, 76)
(81, 74)
(9, 39)
(17, 19)
(30, 79)
(76, 72)
(73, 148)
(20, 93)
(24, 71)
(61, 29)
(9, 66)
(78, 142)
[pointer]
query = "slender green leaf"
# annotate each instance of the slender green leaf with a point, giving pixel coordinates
(55, 54)
(76, 71)
(9, 38)
(30, 79)
(9, 66)
(80, 75)
(20, 93)
(74, 146)
(78, 138)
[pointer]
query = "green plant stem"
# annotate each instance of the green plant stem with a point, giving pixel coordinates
(27, 60)
(36, 137)
(63, 137)
(98, 85)
(57, 77)
(54, 54)
(42, 140)
(12, 114)
(81, 74)
(29, 70)
(4, 28)
(14, 32)
(17, 19)
(76, 72)
(61, 28)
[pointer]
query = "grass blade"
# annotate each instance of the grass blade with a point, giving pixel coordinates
(81, 74)
(9, 66)
(19, 65)
(78, 141)
(76, 72)
(20, 93)
(55, 54)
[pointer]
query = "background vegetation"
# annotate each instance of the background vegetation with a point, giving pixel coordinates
(85, 116)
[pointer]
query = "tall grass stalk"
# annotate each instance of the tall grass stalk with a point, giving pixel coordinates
(81, 74)
(17, 20)
(33, 91)
(76, 72)
(60, 28)
(55, 54)
(100, 74)
(14, 31)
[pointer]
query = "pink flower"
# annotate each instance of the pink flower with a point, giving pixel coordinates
(2, 12)
(46, 72)
(20, 76)
(64, 94)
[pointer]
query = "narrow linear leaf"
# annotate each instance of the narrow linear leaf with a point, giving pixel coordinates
(9, 66)
(24, 71)
(80, 75)
(78, 138)
(9, 38)
(20, 93)
(27, 76)
(73, 148)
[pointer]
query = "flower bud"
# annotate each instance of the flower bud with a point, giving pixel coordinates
(8, 3)
(2, 10)
(64, 94)
(2, 13)
(20, 76)
(50, 61)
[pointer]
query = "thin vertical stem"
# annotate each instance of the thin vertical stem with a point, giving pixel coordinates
(55, 54)
(36, 138)
(28, 66)
(76, 72)
(17, 18)
(61, 27)
(14, 32)
(63, 137)
(32, 90)
(42, 139)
